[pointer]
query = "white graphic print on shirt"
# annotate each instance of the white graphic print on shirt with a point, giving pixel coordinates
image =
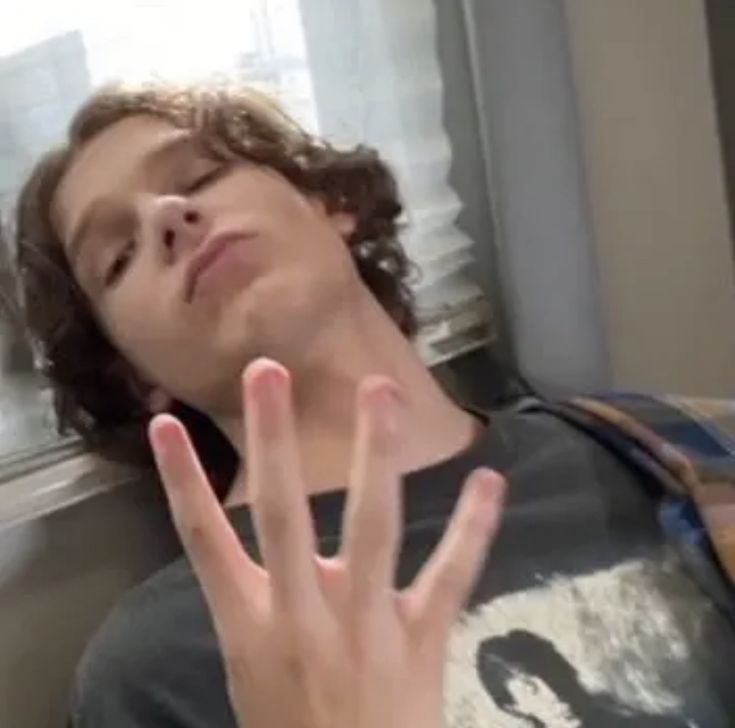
(575, 651)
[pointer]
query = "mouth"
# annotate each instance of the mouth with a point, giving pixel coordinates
(211, 250)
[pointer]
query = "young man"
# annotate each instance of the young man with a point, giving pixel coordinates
(180, 235)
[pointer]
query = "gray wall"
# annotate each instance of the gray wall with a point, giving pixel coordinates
(654, 167)
(721, 26)
(59, 576)
(606, 176)
(526, 95)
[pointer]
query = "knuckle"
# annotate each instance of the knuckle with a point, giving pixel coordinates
(450, 582)
(476, 525)
(274, 517)
(374, 536)
(301, 649)
(194, 532)
(474, 532)
(298, 633)
(235, 656)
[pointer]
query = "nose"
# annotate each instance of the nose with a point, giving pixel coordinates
(172, 225)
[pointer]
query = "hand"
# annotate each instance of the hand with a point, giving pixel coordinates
(310, 642)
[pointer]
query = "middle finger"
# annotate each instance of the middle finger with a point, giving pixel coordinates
(372, 519)
(281, 515)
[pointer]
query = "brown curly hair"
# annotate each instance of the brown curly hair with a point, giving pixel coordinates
(93, 386)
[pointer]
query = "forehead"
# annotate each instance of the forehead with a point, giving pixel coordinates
(109, 163)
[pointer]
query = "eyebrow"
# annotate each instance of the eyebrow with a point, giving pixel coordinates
(170, 147)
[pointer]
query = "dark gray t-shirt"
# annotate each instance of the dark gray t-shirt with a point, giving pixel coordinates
(584, 615)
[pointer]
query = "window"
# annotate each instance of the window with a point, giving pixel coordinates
(353, 70)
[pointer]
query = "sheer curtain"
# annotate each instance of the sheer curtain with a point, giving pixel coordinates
(353, 70)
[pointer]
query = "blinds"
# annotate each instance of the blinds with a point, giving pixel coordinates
(352, 70)
(377, 80)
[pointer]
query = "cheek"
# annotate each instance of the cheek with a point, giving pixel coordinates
(135, 324)
(318, 236)
(273, 200)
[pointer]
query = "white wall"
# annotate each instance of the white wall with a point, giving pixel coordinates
(657, 192)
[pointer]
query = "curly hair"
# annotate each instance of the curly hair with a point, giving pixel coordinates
(94, 390)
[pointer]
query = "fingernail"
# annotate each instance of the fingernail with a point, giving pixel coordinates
(271, 384)
(159, 431)
(491, 484)
(269, 390)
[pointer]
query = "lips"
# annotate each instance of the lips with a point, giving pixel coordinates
(210, 251)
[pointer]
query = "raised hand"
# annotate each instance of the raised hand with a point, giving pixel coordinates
(310, 642)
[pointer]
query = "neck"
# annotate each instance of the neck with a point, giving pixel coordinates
(359, 344)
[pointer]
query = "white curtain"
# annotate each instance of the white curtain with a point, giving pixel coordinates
(353, 70)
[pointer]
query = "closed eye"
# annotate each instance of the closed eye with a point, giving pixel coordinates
(119, 264)
(200, 182)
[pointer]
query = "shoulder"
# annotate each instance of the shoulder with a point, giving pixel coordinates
(144, 659)
(141, 623)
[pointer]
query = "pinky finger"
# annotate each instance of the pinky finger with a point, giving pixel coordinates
(446, 580)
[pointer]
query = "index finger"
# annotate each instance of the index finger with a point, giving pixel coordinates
(228, 576)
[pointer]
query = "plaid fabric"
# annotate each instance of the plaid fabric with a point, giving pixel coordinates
(687, 447)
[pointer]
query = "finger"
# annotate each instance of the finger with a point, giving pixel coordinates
(281, 515)
(444, 584)
(372, 517)
(229, 578)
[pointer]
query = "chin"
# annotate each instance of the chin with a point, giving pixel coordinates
(263, 320)
(279, 316)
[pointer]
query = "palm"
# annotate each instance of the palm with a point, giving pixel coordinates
(324, 643)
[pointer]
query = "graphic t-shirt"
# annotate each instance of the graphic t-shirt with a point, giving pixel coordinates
(583, 616)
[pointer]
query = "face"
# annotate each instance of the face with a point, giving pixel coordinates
(193, 266)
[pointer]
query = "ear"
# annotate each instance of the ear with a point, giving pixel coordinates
(150, 397)
(343, 222)
(158, 401)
